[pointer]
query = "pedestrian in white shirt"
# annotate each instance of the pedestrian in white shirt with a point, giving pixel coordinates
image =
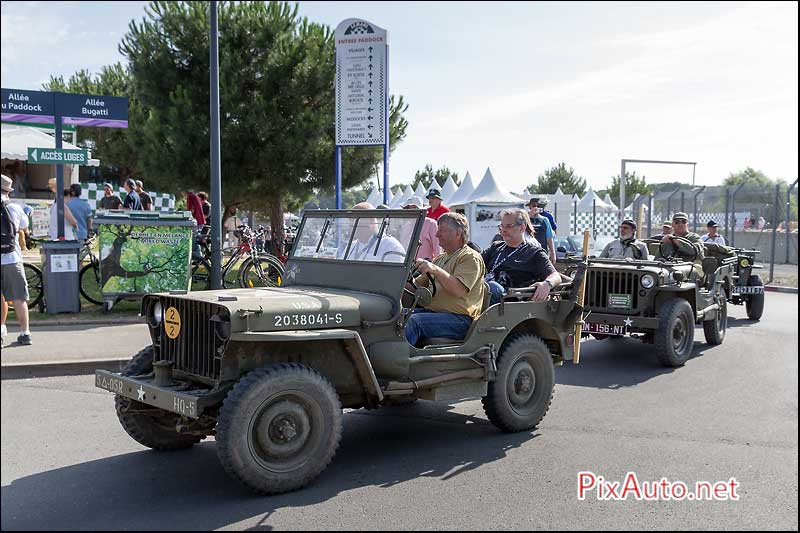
(13, 284)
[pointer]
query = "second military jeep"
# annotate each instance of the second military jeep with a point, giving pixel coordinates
(658, 302)
(747, 288)
(267, 371)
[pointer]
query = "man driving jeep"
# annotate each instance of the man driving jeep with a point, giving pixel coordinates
(458, 277)
(680, 228)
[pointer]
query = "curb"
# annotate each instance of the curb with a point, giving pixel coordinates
(88, 321)
(60, 368)
(775, 288)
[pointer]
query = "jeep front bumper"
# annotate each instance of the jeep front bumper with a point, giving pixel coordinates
(142, 390)
(634, 323)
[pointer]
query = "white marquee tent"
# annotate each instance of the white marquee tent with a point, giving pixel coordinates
(448, 189)
(483, 208)
(463, 192)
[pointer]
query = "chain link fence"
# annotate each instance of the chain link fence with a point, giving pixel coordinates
(749, 216)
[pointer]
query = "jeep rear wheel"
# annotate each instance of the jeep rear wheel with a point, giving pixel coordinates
(147, 425)
(674, 338)
(714, 330)
(520, 396)
(279, 428)
(755, 302)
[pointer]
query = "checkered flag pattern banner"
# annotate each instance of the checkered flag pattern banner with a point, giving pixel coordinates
(605, 224)
(93, 192)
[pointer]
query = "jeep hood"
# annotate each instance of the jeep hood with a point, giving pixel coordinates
(293, 308)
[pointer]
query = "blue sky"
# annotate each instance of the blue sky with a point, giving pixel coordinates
(519, 87)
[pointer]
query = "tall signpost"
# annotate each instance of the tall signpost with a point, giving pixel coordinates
(40, 107)
(216, 169)
(362, 93)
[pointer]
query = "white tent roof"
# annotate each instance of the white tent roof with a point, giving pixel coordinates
(489, 191)
(607, 199)
(420, 190)
(16, 140)
(629, 209)
(463, 192)
(448, 189)
(375, 197)
(398, 199)
(585, 205)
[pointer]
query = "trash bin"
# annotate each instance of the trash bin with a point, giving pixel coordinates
(61, 281)
(143, 252)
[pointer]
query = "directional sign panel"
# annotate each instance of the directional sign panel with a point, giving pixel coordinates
(27, 106)
(57, 156)
(361, 83)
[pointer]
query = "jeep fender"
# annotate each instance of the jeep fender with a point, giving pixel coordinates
(286, 342)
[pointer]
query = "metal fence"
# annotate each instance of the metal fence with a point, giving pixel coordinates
(749, 216)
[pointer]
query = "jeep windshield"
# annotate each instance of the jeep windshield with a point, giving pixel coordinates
(378, 236)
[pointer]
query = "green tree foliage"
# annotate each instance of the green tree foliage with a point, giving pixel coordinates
(633, 184)
(559, 176)
(427, 175)
(277, 104)
(110, 145)
(750, 177)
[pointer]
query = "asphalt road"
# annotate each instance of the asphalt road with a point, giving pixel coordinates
(730, 412)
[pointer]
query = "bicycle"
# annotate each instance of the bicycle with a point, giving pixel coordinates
(89, 275)
(255, 269)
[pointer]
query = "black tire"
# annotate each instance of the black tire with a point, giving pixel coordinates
(90, 283)
(714, 330)
(251, 441)
(154, 431)
(520, 396)
(755, 302)
(674, 338)
(271, 268)
(201, 275)
(33, 275)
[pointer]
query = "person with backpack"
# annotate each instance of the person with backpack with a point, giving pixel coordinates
(13, 284)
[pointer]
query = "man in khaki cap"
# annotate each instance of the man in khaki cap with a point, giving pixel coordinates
(680, 228)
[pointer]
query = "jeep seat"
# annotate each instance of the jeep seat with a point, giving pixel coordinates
(710, 265)
(430, 341)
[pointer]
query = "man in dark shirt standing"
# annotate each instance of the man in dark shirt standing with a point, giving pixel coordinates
(144, 197)
(109, 199)
(516, 261)
(132, 200)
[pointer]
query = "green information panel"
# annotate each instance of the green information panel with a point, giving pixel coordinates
(142, 258)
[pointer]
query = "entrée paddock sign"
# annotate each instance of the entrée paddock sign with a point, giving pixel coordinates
(361, 83)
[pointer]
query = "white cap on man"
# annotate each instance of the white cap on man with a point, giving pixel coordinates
(416, 201)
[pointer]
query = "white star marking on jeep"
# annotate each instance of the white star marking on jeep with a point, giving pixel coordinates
(628, 322)
(140, 392)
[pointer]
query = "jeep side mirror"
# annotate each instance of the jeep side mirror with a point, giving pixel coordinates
(423, 296)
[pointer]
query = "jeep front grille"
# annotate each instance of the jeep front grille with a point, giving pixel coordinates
(601, 283)
(196, 349)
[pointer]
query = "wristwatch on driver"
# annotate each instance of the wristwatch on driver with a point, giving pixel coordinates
(549, 283)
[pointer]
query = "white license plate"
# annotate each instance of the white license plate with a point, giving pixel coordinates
(747, 290)
(605, 329)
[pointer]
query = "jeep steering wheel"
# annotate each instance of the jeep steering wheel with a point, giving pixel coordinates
(413, 274)
(675, 248)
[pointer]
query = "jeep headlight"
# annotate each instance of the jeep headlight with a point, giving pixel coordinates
(648, 281)
(158, 313)
(744, 263)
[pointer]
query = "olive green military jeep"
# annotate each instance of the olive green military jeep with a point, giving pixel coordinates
(747, 289)
(267, 371)
(658, 301)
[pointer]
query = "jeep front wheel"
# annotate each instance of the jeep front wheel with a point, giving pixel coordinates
(714, 330)
(147, 425)
(279, 428)
(519, 397)
(674, 338)
(755, 302)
